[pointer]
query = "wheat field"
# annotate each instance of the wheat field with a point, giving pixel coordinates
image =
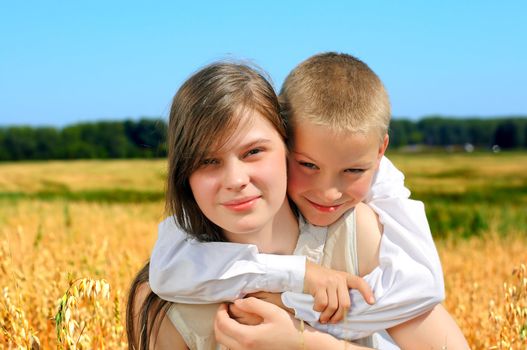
(73, 234)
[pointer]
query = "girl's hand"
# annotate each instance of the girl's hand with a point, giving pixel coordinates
(278, 329)
(252, 319)
(243, 317)
(330, 289)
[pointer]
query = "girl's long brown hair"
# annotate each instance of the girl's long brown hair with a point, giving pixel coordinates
(150, 315)
(205, 112)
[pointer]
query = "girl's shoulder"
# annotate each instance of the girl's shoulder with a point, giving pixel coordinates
(368, 233)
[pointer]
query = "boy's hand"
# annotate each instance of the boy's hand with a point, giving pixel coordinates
(330, 289)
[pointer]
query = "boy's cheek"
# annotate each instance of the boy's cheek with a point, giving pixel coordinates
(362, 188)
(297, 182)
(292, 188)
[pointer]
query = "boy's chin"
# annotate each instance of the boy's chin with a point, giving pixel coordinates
(323, 219)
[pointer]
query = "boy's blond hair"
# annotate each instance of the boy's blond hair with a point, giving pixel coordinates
(336, 90)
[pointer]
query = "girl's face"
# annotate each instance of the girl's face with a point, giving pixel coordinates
(242, 186)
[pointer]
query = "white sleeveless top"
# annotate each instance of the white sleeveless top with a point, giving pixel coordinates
(333, 247)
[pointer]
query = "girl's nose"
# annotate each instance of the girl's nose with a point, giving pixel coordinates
(236, 177)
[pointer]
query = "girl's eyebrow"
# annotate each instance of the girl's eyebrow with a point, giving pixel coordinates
(249, 144)
(255, 142)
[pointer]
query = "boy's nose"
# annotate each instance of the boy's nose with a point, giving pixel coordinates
(332, 194)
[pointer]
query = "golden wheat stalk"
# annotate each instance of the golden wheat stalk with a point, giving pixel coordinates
(70, 332)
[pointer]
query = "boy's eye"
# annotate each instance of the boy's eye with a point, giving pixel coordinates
(308, 165)
(354, 171)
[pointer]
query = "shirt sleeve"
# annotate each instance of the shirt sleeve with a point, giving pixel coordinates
(187, 271)
(407, 282)
(388, 182)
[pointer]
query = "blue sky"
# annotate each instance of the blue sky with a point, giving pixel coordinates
(63, 62)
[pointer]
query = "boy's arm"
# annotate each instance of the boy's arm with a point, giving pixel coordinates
(407, 282)
(388, 182)
(186, 271)
(405, 221)
(389, 198)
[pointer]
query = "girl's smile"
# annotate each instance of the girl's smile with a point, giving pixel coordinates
(243, 204)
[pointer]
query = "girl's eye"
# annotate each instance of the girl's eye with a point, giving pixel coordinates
(210, 161)
(253, 152)
(308, 165)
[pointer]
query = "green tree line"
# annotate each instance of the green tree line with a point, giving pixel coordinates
(146, 138)
(507, 133)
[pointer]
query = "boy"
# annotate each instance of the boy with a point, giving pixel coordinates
(338, 114)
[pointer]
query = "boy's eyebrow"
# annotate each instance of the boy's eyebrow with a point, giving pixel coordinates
(361, 165)
(303, 154)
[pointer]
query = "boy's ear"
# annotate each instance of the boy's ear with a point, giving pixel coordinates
(383, 146)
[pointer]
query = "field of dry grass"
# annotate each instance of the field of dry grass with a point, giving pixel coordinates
(67, 228)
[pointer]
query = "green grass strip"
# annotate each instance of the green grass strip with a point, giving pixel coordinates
(104, 196)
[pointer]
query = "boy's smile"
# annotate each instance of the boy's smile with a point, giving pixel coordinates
(330, 172)
(325, 208)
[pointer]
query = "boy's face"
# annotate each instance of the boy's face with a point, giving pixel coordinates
(329, 172)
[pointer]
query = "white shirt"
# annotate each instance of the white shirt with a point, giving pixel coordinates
(408, 281)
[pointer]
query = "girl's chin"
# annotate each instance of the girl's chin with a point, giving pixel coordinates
(242, 233)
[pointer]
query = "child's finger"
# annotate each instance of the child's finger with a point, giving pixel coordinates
(244, 317)
(356, 282)
(321, 300)
(257, 307)
(332, 306)
(234, 311)
(344, 304)
(226, 330)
